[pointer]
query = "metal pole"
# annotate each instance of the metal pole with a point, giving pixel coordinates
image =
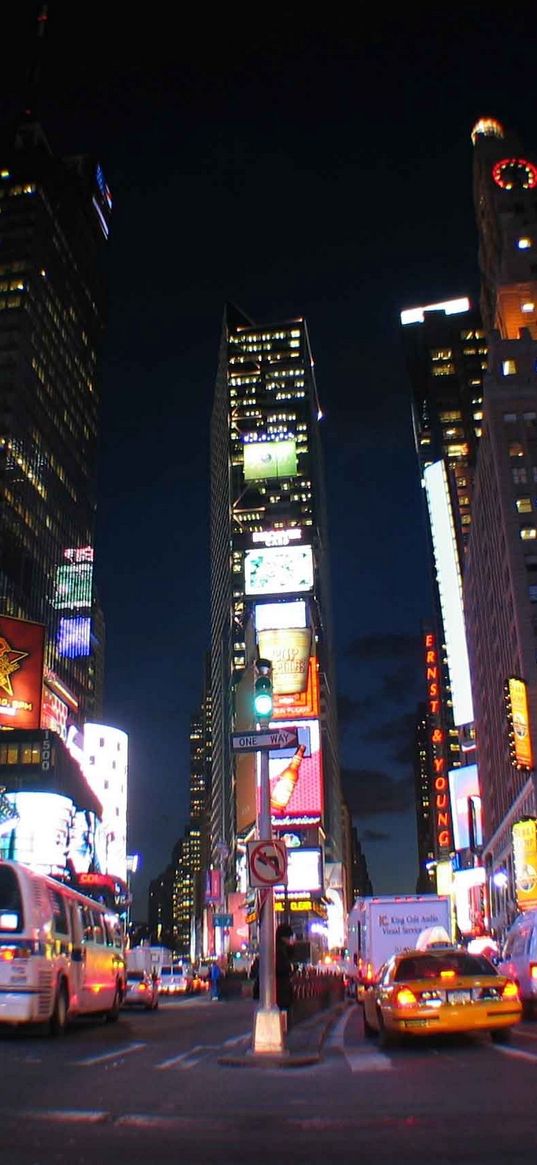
(267, 986)
(269, 1023)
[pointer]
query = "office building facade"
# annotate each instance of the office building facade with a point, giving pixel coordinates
(270, 587)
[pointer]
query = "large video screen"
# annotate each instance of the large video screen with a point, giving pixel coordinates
(267, 459)
(278, 570)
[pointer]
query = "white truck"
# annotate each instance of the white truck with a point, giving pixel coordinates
(149, 959)
(382, 926)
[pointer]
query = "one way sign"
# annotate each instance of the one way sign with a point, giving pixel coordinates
(275, 738)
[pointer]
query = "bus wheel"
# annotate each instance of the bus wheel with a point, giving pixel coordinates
(113, 1015)
(58, 1019)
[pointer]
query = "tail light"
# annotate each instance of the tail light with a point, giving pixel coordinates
(533, 971)
(7, 954)
(510, 990)
(405, 997)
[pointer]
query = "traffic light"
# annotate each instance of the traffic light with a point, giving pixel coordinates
(263, 690)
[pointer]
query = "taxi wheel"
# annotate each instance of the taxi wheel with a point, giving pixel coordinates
(501, 1035)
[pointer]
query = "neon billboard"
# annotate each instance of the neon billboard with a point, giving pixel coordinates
(466, 807)
(524, 837)
(519, 726)
(289, 652)
(296, 783)
(440, 790)
(21, 672)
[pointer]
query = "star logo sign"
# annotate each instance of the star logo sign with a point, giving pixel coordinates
(9, 663)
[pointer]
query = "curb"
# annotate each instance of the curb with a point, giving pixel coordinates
(286, 1059)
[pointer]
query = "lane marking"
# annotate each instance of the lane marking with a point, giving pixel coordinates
(368, 1061)
(116, 1055)
(195, 1054)
(178, 1061)
(517, 1053)
(72, 1115)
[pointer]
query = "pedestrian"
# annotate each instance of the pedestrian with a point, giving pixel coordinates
(216, 976)
(284, 966)
(254, 975)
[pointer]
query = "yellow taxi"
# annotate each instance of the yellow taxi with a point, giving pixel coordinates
(422, 993)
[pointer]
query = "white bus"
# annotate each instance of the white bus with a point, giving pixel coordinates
(61, 954)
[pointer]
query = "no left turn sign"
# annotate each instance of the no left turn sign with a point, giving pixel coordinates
(267, 863)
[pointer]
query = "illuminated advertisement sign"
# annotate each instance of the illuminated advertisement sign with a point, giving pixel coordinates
(301, 705)
(74, 637)
(54, 713)
(21, 672)
(266, 459)
(440, 791)
(304, 871)
(449, 579)
(289, 652)
(276, 537)
(465, 807)
(519, 727)
(278, 570)
(38, 832)
(525, 856)
(73, 586)
(296, 787)
(269, 616)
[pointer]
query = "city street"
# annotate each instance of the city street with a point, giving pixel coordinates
(151, 1089)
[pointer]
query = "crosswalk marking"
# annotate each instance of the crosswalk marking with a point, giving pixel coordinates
(115, 1055)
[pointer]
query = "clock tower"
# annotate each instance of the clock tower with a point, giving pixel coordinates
(505, 200)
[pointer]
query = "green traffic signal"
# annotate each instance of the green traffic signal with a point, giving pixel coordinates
(263, 690)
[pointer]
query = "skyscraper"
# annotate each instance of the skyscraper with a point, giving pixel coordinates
(54, 228)
(270, 589)
(446, 355)
(500, 589)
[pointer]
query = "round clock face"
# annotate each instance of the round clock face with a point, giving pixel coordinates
(515, 174)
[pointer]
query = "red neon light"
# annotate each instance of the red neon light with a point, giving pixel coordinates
(437, 739)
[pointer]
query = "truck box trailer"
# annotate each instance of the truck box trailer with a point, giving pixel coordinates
(380, 927)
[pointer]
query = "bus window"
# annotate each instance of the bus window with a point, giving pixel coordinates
(11, 914)
(59, 916)
(87, 925)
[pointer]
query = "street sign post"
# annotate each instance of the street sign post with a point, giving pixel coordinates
(269, 739)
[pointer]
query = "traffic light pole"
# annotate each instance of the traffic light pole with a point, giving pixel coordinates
(269, 1026)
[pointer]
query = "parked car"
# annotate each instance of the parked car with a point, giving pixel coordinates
(420, 993)
(519, 959)
(142, 990)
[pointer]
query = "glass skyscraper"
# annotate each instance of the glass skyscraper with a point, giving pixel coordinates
(54, 223)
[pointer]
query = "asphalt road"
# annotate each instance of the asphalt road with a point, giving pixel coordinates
(151, 1089)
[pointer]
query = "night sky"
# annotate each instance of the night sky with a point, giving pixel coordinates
(296, 168)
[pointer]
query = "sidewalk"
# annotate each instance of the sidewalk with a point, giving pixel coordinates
(304, 1044)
